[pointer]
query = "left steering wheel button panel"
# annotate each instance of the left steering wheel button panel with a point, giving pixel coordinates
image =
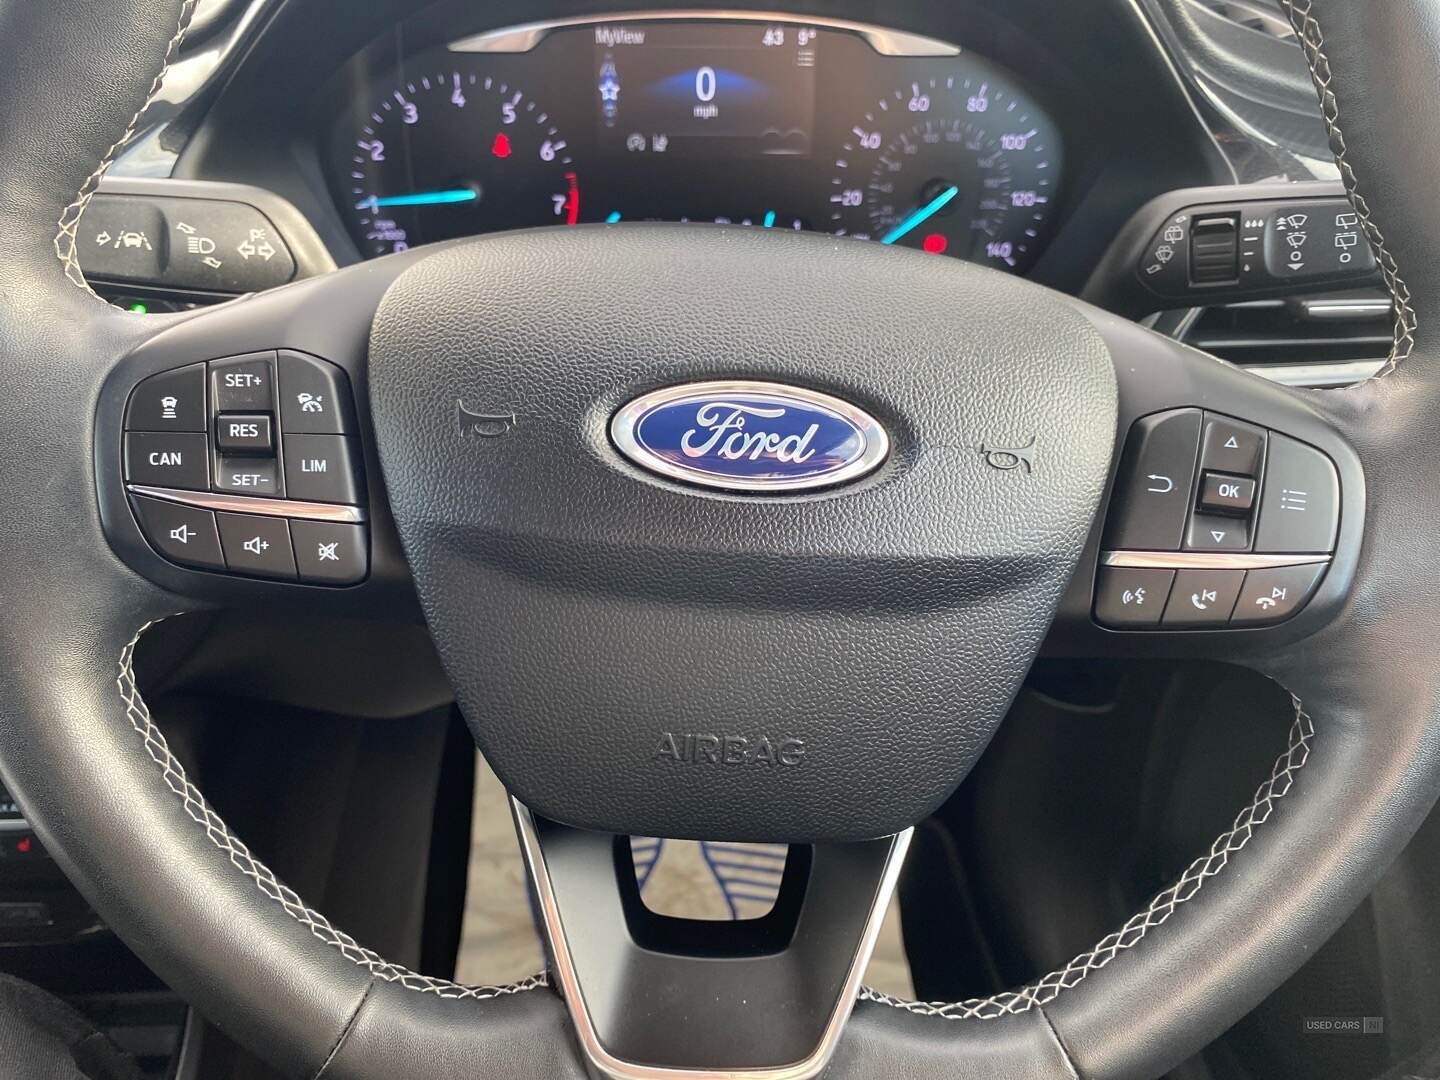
(162, 459)
(257, 545)
(183, 534)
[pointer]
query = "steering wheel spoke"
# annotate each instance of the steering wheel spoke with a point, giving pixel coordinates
(656, 997)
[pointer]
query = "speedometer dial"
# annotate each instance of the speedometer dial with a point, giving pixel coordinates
(455, 154)
(952, 165)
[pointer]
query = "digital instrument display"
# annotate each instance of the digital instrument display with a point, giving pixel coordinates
(770, 122)
(734, 90)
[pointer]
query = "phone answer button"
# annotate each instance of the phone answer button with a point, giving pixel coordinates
(1202, 598)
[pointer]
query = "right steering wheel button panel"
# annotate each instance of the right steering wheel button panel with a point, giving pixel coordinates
(1260, 515)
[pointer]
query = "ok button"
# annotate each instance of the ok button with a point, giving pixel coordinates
(1221, 494)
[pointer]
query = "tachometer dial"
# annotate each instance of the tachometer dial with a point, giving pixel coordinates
(454, 154)
(951, 165)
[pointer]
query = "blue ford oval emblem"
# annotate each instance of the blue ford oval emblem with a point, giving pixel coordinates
(749, 436)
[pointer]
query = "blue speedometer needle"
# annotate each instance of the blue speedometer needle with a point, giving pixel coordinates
(419, 198)
(922, 215)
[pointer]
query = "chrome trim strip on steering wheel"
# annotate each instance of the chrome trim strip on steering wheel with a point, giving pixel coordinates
(239, 504)
(611, 1067)
(1205, 560)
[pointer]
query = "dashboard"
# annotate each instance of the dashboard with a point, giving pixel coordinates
(776, 122)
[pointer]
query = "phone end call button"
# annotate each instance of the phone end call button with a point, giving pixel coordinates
(1202, 598)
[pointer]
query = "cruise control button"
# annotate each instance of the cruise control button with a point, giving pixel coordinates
(1273, 595)
(169, 401)
(1300, 505)
(328, 553)
(183, 534)
(243, 383)
(1202, 598)
(1152, 492)
(1128, 597)
(1209, 532)
(165, 460)
(1221, 494)
(314, 397)
(1232, 447)
(244, 433)
(256, 545)
(248, 476)
(322, 468)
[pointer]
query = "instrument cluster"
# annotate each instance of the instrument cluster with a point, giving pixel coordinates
(767, 121)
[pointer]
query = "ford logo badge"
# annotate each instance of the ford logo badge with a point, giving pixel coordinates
(752, 437)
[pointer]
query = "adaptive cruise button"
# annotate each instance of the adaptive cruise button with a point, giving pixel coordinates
(166, 460)
(1152, 492)
(314, 397)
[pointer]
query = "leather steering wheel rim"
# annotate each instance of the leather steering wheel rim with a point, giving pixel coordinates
(111, 802)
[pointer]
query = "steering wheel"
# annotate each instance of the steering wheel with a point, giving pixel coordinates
(586, 608)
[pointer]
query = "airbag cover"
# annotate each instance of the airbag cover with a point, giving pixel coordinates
(638, 655)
